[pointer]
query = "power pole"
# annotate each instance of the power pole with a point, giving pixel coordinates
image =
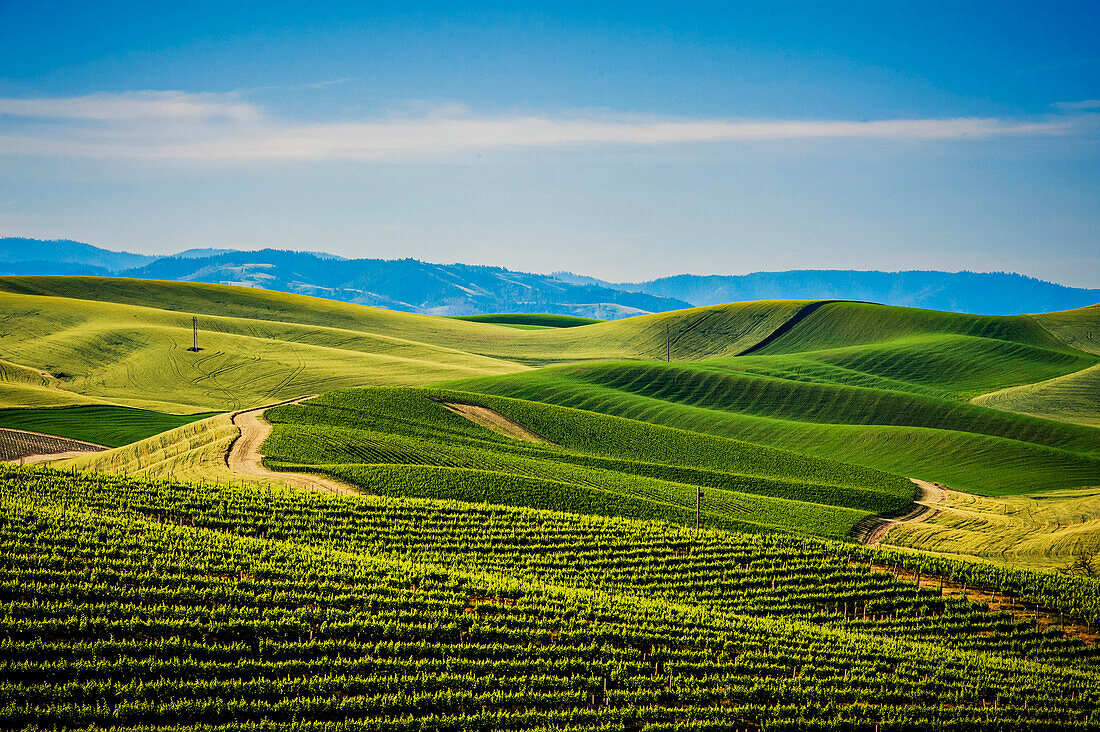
(668, 345)
(195, 333)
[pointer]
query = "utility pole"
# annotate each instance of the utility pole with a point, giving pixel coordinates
(668, 344)
(195, 333)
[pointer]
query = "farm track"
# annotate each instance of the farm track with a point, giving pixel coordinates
(873, 529)
(27, 447)
(244, 457)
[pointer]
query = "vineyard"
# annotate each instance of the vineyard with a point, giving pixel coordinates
(131, 604)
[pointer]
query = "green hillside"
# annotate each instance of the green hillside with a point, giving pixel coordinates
(102, 424)
(138, 356)
(1074, 327)
(136, 605)
(1071, 398)
(695, 333)
(405, 442)
(883, 387)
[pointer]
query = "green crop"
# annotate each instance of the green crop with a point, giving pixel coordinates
(152, 605)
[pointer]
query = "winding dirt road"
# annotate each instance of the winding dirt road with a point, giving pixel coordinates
(873, 529)
(244, 455)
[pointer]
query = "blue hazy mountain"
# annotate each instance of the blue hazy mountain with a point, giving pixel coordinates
(460, 289)
(407, 284)
(985, 293)
(61, 256)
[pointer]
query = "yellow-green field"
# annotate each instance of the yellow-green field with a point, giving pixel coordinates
(60, 346)
(1046, 531)
(1071, 398)
(194, 452)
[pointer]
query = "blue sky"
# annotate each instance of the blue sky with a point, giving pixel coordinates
(623, 140)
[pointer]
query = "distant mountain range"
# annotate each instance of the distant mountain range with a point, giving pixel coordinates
(461, 289)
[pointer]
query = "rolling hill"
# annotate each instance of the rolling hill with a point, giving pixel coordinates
(406, 442)
(892, 392)
(878, 386)
(524, 552)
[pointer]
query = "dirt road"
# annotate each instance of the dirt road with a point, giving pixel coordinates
(244, 455)
(873, 529)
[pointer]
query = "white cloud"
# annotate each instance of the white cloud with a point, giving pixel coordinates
(148, 105)
(223, 129)
(1083, 104)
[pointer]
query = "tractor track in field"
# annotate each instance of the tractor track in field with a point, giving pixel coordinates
(871, 530)
(244, 457)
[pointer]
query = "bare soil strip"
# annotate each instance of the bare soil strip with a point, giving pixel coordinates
(873, 529)
(244, 455)
(495, 421)
(1041, 616)
(26, 447)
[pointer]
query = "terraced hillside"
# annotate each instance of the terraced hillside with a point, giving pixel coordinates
(406, 442)
(137, 605)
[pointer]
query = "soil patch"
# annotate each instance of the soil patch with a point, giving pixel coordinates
(872, 529)
(26, 447)
(495, 421)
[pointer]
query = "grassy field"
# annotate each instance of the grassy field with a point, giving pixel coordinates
(104, 425)
(1071, 398)
(137, 356)
(889, 388)
(1047, 531)
(695, 333)
(194, 451)
(1076, 328)
(504, 584)
(921, 437)
(992, 405)
(402, 442)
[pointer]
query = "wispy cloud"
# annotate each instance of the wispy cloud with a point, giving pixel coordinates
(225, 129)
(140, 105)
(1084, 104)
